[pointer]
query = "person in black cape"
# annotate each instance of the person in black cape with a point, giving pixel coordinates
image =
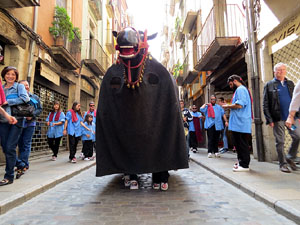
(139, 124)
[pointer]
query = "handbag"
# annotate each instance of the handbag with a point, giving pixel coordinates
(21, 110)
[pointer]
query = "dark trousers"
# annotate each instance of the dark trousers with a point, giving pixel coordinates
(73, 142)
(213, 139)
(54, 145)
(240, 141)
(160, 177)
(87, 148)
(193, 140)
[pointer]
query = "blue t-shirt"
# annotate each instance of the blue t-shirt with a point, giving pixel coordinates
(74, 128)
(57, 130)
(191, 123)
(91, 113)
(91, 133)
(217, 121)
(240, 119)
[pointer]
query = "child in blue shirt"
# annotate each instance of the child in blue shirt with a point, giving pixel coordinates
(88, 137)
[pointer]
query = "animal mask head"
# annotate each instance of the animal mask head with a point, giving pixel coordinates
(129, 42)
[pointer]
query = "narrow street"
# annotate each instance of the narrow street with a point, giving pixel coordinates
(195, 196)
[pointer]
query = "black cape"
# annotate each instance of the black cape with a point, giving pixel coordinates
(139, 131)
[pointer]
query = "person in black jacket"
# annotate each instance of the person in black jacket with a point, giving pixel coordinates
(277, 98)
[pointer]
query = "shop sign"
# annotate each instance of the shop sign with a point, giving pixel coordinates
(87, 87)
(50, 75)
(286, 34)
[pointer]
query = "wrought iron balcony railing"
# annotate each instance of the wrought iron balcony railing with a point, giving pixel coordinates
(231, 23)
(94, 54)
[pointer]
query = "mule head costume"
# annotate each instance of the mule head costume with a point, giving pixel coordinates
(138, 127)
(133, 53)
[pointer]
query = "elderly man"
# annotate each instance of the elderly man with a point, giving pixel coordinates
(278, 94)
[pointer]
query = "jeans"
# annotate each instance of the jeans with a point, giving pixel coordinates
(225, 140)
(9, 136)
(279, 133)
(187, 138)
(24, 145)
(54, 145)
(73, 142)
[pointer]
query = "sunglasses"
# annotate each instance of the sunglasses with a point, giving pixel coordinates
(92, 105)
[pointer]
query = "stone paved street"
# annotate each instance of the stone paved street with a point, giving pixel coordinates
(195, 196)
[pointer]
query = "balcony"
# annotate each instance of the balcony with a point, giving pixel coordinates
(95, 57)
(96, 8)
(67, 54)
(19, 3)
(110, 41)
(189, 74)
(189, 22)
(220, 35)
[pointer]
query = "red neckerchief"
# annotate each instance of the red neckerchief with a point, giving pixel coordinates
(89, 112)
(74, 116)
(210, 111)
(56, 116)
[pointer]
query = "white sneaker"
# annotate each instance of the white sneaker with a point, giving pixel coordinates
(240, 169)
(74, 160)
(126, 180)
(134, 185)
(156, 186)
(164, 186)
(86, 159)
(81, 156)
(209, 155)
(53, 158)
(217, 155)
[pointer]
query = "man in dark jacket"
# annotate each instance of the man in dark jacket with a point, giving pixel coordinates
(277, 98)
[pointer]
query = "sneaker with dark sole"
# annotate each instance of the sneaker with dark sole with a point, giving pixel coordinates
(20, 172)
(292, 164)
(284, 169)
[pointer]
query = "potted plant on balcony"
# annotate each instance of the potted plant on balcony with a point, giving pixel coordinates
(178, 70)
(62, 26)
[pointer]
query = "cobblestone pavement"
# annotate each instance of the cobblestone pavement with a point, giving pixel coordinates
(195, 196)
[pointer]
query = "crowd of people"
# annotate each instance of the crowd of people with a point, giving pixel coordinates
(280, 104)
(16, 129)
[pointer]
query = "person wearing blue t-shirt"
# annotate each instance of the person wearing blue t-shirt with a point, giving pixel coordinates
(214, 115)
(88, 137)
(55, 122)
(240, 121)
(72, 127)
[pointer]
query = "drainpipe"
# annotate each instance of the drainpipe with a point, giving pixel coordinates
(32, 46)
(255, 80)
